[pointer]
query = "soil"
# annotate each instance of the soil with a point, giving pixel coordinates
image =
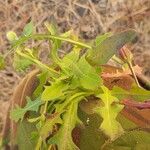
(87, 18)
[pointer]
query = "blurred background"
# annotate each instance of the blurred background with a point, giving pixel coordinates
(88, 18)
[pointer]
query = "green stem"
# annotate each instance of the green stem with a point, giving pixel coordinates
(117, 60)
(47, 36)
(44, 37)
(39, 143)
(43, 66)
(45, 108)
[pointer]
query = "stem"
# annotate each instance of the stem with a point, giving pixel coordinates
(117, 60)
(47, 36)
(52, 71)
(105, 144)
(45, 107)
(50, 147)
(133, 73)
(42, 37)
(39, 143)
(130, 66)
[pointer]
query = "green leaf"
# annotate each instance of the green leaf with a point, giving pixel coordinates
(18, 113)
(63, 137)
(28, 54)
(136, 93)
(87, 75)
(52, 28)
(56, 44)
(78, 96)
(142, 146)
(125, 122)
(28, 29)
(83, 73)
(33, 105)
(47, 128)
(24, 136)
(68, 34)
(2, 62)
(20, 63)
(109, 112)
(54, 91)
(91, 137)
(42, 77)
(11, 36)
(105, 50)
(70, 59)
(133, 140)
(69, 62)
(99, 39)
(118, 148)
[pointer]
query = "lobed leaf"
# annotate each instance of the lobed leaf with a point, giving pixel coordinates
(42, 77)
(87, 75)
(18, 113)
(63, 137)
(82, 72)
(47, 128)
(109, 112)
(54, 91)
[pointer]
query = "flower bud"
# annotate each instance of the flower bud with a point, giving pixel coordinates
(125, 54)
(11, 36)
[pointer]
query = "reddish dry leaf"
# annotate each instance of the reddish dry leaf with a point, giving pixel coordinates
(113, 76)
(138, 105)
(123, 78)
(139, 117)
(124, 82)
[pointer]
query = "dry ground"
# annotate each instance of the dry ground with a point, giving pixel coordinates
(88, 18)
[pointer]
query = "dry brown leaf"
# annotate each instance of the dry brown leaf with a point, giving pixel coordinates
(24, 89)
(115, 77)
(141, 117)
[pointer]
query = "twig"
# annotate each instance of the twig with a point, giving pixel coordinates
(133, 73)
